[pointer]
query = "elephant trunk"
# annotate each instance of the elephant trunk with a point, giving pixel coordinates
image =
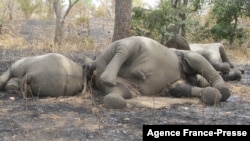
(208, 95)
(204, 68)
(223, 67)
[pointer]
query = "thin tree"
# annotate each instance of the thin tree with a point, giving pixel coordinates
(28, 7)
(10, 7)
(60, 17)
(123, 9)
(106, 8)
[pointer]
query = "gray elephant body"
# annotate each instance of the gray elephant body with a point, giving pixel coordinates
(140, 65)
(216, 55)
(46, 75)
(213, 52)
(143, 56)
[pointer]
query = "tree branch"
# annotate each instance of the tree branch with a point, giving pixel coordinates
(55, 7)
(69, 7)
(105, 6)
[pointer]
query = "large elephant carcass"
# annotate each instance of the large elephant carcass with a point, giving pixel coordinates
(140, 65)
(45, 75)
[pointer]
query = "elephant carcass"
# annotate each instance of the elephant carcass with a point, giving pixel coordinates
(46, 75)
(140, 65)
(213, 52)
(216, 55)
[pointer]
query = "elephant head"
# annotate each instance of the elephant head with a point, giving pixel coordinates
(45, 75)
(142, 66)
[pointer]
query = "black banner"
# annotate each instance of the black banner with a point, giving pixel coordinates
(160, 132)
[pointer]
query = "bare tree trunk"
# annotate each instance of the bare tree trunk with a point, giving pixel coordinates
(1, 28)
(57, 5)
(183, 18)
(50, 12)
(10, 9)
(123, 10)
(59, 21)
(180, 29)
(59, 31)
(106, 8)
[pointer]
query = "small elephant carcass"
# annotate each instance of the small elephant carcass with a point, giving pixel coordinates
(141, 66)
(216, 55)
(214, 52)
(45, 75)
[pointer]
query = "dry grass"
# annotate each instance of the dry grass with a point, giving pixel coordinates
(239, 89)
(11, 42)
(12, 38)
(241, 55)
(8, 41)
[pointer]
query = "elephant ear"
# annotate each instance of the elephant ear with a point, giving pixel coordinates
(178, 42)
(186, 68)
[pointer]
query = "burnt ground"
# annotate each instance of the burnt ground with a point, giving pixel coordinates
(85, 118)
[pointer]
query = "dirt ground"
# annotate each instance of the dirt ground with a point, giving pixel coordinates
(85, 118)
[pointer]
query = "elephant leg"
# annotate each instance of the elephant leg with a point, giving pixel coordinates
(116, 97)
(200, 65)
(201, 81)
(234, 74)
(224, 57)
(108, 77)
(223, 66)
(4, 78)
(12, 85)
(208, 95)
(197, 80)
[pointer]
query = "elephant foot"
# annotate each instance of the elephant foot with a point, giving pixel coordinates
(210, 96)
(12, 85)
(225, 67)
(224, 90)
(234, 74)
(114, 101)
(107, 81)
